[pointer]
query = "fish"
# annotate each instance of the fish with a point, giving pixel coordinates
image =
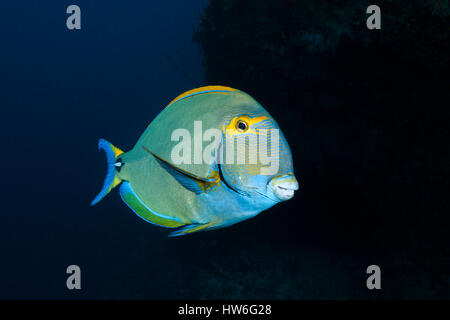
(211, 158)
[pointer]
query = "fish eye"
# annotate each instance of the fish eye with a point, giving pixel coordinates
(241, 126)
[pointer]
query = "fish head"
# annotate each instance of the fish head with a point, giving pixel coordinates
(256, 158)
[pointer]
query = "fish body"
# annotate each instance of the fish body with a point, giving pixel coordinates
(202, 163)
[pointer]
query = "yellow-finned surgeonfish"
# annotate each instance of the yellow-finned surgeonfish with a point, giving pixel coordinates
(213, 157)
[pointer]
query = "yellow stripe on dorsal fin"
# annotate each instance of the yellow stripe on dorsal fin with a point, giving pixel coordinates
(206, 89)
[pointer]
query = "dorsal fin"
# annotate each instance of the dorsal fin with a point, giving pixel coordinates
(202, 90)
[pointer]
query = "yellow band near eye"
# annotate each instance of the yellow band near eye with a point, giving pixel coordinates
(233, 129)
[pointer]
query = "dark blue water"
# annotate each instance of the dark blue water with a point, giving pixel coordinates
(61, 90)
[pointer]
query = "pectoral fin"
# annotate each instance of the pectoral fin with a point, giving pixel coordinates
(188, 180)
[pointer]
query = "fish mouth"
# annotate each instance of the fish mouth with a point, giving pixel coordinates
(284, 186)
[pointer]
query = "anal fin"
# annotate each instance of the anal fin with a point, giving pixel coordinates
(132, 200)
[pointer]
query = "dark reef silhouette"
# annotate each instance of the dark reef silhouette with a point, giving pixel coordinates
(366, 114)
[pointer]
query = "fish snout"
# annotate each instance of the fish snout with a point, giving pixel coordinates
(284, 186)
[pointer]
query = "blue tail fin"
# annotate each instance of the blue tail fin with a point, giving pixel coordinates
(111, 179)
